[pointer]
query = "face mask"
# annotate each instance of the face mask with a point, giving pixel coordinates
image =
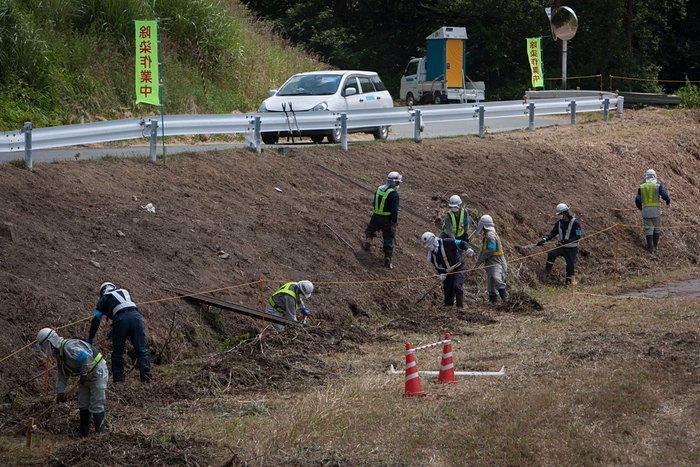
(455, 210)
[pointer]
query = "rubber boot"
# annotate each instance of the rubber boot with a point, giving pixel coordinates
(650, 243)
(493, 298)
(568, 281)
(503, 294)
(387, 262)
(460, 300)
(84, 429)
(119, 378)
(367, 244)
(656, 241)
(146, 377)
(99, 422)
(548, 268)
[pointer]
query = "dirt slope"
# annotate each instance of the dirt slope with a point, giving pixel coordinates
(225, 220)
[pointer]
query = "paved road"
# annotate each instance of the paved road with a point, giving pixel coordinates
(435, 130)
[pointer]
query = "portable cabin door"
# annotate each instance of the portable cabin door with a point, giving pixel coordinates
(454, 58)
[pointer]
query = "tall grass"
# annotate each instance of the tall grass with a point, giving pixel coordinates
(61, 60)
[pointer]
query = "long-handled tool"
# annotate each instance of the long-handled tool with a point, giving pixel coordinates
(289, 125)
(532, 245)
(358, 255)
(294, 115)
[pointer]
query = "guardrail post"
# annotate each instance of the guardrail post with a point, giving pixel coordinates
(482, 111)
(620, 106)
(573, 112)
(27, 130)
(344, 131)
(531, 116)
(606, 109)
(256, 133)
(153, 126)
(417, 125)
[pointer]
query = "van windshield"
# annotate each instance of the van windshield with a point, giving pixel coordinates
(310, 85)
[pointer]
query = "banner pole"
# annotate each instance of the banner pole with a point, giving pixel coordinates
(160, 91)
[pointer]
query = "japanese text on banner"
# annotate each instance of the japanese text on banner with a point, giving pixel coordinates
(147, 89)
(534, 56)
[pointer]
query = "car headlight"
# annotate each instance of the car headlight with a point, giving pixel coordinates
(262, 108)
(320, 106)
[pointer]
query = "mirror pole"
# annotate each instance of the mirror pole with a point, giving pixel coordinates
(563, 64)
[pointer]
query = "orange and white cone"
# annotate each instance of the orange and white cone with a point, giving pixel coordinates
(412, 384)
(447, 370)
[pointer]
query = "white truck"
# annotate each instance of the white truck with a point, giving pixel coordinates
(441, 76)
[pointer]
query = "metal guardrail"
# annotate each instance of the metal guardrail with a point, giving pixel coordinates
(28, 138)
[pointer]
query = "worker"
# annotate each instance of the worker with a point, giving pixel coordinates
(116, 305)
(648, 201)
(76, 357)
(491, 255)
(385, 216)
(456, 222)
(568, 229)
(288, 299)
(446, 255)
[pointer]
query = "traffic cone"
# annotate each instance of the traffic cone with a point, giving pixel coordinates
(447, 370)
(412, 385)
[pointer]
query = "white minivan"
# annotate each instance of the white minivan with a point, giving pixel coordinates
(330, 90)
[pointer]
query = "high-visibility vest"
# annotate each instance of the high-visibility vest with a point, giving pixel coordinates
(650, 194)
(285, 289)
(499, 247)
(457, 227)
(380, 198)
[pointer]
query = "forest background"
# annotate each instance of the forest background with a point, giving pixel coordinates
(65, 61)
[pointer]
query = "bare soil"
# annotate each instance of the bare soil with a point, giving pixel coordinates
(238, 224)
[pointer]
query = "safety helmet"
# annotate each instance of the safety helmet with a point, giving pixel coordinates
(394, 178)
(306, 288)
(47, 340)
(650, 175)
(561, 209)
(485, 222)
(455, 201)
(106, 287)
(429, 240)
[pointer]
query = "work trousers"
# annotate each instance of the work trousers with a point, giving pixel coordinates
(569, 255)
(453, 285)
(128, 324)
(91, 395)
(383, 223)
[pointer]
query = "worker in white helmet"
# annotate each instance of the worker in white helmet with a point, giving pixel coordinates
(491, 255)
(568, 229)
(76, 357)
(288, 299)
(456, 222)
(445, 254)
(385, 216)
(648, 201)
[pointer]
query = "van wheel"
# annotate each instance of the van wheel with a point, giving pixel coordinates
(381, 133)
(334, 136)
(410, 100)
(437, 98)
(270, 138)
(318, 139)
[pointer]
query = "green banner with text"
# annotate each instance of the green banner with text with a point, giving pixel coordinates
(147, 73)
(534, 56)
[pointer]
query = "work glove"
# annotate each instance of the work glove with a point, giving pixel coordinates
(83, 378)
(470, 252)
(305, 312)
(394, 227)
(60, 397)
(443, 277)
(542, 242)
(109, 334)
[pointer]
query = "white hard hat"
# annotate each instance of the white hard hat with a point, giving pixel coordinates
(455, 201)
(561, 208)
(106, 287)
(394, 178)
(650, 175)
(429, 240)
(485, 222)
(47, 340)
(306, 288)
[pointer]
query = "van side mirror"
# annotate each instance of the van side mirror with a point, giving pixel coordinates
(350, 91)
(273, 92)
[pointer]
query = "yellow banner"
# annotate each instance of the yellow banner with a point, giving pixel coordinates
(147, 72)
(534, 56)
